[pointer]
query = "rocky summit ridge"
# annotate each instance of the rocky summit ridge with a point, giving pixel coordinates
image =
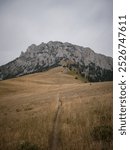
(82, 60)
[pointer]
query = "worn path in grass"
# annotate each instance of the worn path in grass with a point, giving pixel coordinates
(55, 130)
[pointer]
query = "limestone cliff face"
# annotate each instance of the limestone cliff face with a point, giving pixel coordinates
(95, 67)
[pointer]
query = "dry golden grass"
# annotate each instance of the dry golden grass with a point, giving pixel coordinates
(28, 107)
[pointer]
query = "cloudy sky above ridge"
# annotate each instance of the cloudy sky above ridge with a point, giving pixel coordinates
(86, 23)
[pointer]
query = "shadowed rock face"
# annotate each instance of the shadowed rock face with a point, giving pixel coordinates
(93, 66)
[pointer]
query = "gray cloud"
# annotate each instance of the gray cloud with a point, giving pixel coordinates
(82, 22)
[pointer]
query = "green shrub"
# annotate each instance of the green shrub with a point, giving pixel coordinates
(76, 77)
(104, 133)
(24, 145)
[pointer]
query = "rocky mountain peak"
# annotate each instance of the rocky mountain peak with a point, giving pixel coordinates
(93, 66)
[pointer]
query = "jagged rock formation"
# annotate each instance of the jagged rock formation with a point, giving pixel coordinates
(84, 61)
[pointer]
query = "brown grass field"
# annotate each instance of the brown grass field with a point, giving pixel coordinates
(54, 111)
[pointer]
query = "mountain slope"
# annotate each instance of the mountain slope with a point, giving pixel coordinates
(29, 115)
(84, 61)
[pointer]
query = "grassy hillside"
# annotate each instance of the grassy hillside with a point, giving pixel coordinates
(55, 111)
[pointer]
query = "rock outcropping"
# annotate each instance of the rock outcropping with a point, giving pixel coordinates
(84, 61)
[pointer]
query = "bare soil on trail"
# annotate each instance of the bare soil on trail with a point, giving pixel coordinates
(55, 129)
(53, 110)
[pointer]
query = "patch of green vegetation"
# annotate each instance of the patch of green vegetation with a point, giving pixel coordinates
(104, 133)
(24, 145)
(83, 79)
(72, 72)
(77, 76)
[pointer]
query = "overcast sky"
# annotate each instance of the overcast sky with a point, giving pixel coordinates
(86, 23)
